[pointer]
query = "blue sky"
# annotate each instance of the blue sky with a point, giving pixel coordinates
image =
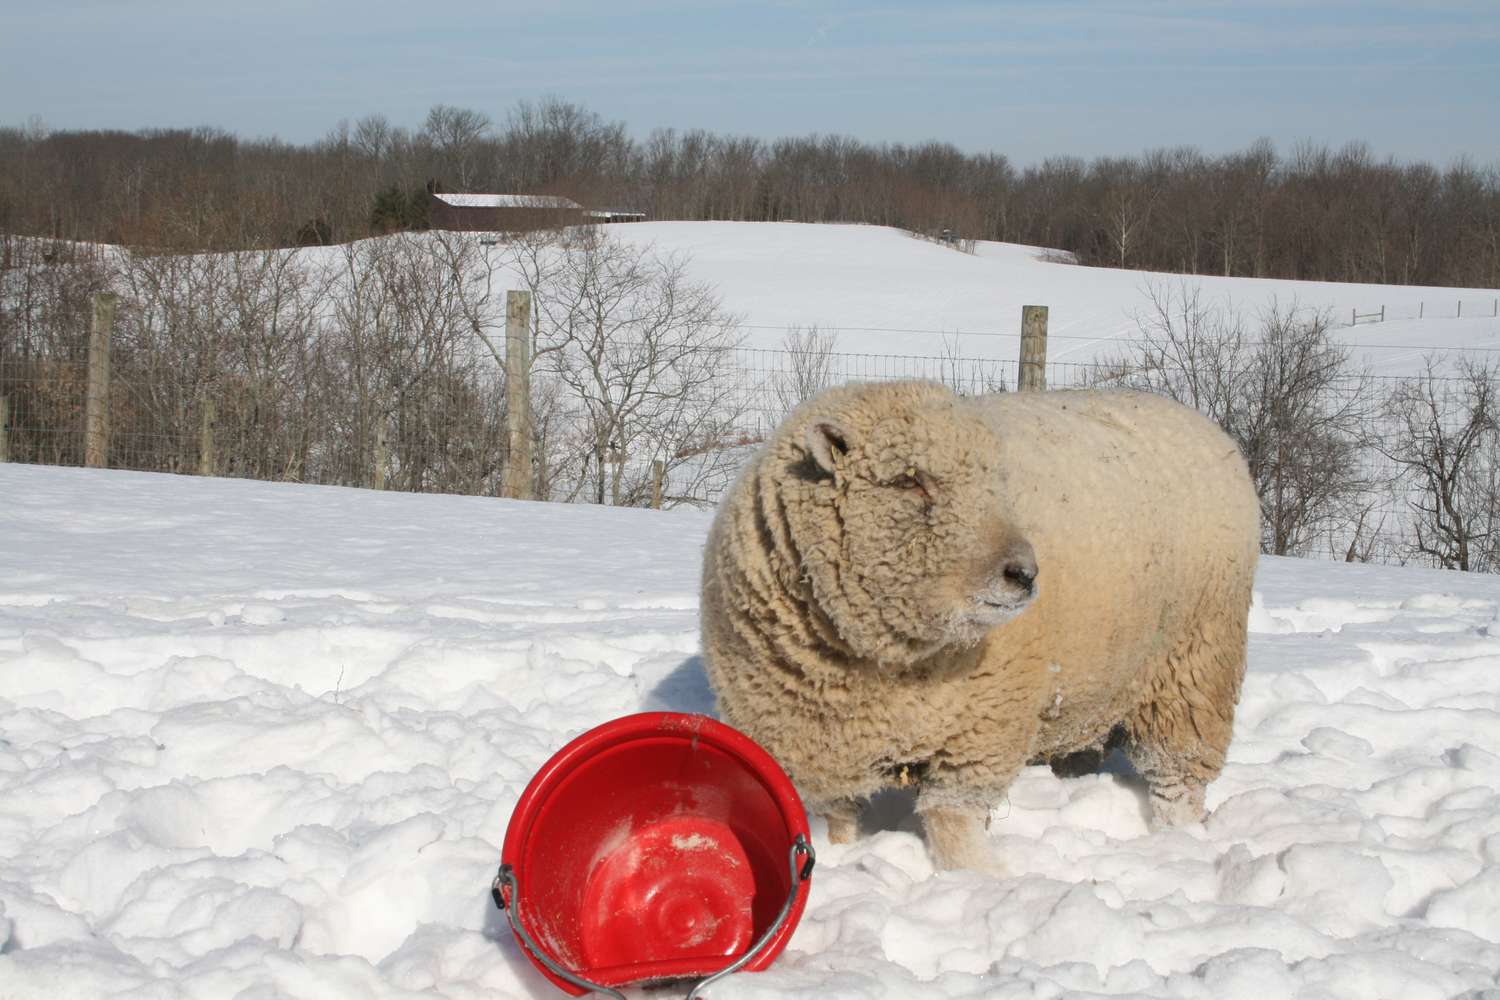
(1030, 79)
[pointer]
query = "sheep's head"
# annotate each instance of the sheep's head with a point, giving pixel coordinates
(894, 503)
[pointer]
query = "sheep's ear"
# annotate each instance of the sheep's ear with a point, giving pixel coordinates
(827, 443)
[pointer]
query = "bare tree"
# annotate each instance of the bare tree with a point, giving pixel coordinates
(456, 135)
(648, 358)
(1316, 213)
(1301, 422)
(176, 337)
(1448, 442)
(969, 376)
(373, 136)
(1290, 399)
(808, 369)
(45, 290)
(45, 286)
(264, 405)
(1129, 195)
(1188, 349)
(401, 324)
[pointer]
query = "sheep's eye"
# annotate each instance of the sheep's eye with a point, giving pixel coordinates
(912, 481)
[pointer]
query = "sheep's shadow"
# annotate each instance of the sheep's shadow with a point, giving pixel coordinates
(891, 809)
(1111, 760)
(684, 688)
(895, 809)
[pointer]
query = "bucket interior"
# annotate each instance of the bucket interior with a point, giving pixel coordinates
(654, 858)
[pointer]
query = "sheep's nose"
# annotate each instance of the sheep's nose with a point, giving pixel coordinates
(1019, 567)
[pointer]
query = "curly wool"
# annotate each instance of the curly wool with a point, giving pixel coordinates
(866, 605)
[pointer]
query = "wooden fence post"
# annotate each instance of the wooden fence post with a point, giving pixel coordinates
(4, 429)
(1033, 370)
(658, 480)
(518, 483)
(207, 460)
(96, 402)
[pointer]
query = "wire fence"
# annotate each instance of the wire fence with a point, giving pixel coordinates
(447, 438)
(452, 438)
(1471, 308)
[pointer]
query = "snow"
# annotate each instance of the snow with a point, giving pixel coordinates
(886, 292)
(262, 740)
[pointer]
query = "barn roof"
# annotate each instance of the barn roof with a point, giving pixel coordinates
(545, 201)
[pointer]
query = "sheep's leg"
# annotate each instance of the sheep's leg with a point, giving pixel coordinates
(956, 834)
(843, 820)
(1175, 788)
(1179, 736)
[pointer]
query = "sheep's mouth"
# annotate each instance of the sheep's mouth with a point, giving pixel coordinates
(994, 609)
(971, 621)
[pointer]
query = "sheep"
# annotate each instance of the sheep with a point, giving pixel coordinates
(908, 587)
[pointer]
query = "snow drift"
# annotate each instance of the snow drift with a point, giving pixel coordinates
(262, 740)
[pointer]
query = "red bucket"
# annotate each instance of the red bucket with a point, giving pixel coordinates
(657, 846)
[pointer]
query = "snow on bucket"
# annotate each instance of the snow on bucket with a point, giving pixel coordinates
(657, 846)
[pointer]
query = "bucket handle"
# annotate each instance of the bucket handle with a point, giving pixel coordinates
(506, 891)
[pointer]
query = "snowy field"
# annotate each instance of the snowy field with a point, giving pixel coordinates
(883, 291)
(886, 292)
(262, 740)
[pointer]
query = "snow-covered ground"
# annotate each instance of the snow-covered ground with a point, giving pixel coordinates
(886, 292)
(262, 740)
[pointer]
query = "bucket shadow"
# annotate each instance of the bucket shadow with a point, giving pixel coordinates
(531, 982)
(682, 689)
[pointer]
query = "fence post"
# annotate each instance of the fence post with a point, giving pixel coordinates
(1354, 315)
(1382, 314)
(1460, 314)
(518, 395)
(658, 477)
(207, 460)
(1421, 308)
(1033, 369)
(4, 428)
(96, 402)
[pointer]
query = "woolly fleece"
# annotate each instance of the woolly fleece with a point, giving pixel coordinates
(869, 617)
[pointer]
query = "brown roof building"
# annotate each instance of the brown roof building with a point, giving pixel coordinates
(485, 213)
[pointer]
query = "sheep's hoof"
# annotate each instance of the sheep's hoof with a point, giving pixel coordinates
(843, 825)
(956, 839)
(1183, 808)
(980, 859)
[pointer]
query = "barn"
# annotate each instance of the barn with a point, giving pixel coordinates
(486, 213)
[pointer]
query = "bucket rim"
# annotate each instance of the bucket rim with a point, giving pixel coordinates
(686, 726)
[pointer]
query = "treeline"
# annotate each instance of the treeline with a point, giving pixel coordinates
(1310, 213)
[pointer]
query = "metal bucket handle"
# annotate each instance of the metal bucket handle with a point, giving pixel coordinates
(506, 891)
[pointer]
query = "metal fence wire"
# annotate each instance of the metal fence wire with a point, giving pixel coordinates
(448, 434)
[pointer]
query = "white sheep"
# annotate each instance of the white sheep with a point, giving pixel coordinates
(908, 586)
